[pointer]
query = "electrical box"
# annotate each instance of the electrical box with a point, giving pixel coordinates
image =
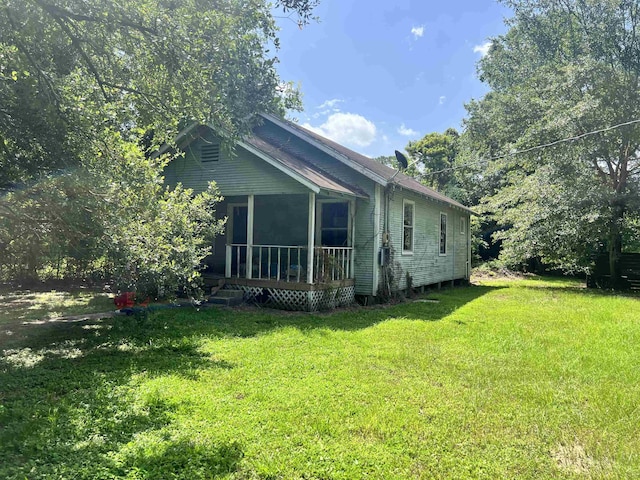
(384, 256)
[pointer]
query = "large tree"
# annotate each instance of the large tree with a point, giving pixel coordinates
(565, 69)
(89, 89)
(69, 68)
(433, 158)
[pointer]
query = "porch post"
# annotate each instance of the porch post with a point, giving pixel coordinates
(311, 235)
(378, 200)
(249, 262)
(351, 243)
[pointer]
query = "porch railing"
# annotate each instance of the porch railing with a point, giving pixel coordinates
(332, 263)
(288, 263)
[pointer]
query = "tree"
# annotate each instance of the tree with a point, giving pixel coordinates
(564, 69)
(434, 156)
(86, 86)
(70, 66)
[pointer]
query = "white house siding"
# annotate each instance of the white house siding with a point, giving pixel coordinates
(239, 174)
(365, 235)
(426, 266)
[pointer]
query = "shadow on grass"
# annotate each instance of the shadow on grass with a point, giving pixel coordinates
(68, 403)
(249, 322)
(67, 406)
(29, 305)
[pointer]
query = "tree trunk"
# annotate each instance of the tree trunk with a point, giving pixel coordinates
(615, 246)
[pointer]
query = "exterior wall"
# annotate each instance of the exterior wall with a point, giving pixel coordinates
(243, 174)
(425, 265)
(240, 173)
(366, 236)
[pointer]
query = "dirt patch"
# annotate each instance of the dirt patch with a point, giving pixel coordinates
(573, 458)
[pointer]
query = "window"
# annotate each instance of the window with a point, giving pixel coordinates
(210, 152)
(407, 226)
(443, 234)
(463, 226)
(334, 224)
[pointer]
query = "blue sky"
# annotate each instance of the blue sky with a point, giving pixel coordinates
(376, 74)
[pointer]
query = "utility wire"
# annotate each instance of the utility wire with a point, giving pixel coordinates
(537, 147)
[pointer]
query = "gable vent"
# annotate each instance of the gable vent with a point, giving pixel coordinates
(210, 152)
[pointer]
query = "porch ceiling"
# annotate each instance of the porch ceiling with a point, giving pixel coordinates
(296, 168)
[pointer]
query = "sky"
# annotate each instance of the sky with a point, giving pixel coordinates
(376, 74)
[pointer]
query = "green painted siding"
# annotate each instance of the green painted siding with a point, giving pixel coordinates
(240, 174)
(426, 266)
(281, 212)
(364, 215)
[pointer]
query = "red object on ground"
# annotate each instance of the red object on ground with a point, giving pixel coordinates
(125, 300)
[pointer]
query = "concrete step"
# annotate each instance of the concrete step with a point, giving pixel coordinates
(229, 294)
(229, 298)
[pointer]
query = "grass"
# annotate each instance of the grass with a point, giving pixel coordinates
(27, 306)
(509, 379)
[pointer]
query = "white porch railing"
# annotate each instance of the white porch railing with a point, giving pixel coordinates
(332, 264)
(288, 263)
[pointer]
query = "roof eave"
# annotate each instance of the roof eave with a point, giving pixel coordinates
(438, 200)
(284, 169)
(295, 175)
(328, 150)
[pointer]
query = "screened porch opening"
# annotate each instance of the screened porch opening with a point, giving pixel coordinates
(290, 239)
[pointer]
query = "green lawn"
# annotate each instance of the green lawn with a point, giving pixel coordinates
(510, 379)
(27, 306)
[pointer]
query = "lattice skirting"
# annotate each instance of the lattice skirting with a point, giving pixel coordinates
(310, 301)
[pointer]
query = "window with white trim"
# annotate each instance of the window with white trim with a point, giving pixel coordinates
(408, 222)
(463, 225)
(443, 234)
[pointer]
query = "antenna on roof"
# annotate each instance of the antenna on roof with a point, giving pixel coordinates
(402, 160)
(403, 163)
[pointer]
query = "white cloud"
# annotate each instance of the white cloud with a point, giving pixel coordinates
(407, 132)
(347, 128)
(417, 32)
(442, 99)
(329, 104)
(482, 49)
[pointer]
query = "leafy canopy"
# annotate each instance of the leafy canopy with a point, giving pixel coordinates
(564, 68)
(87, 91)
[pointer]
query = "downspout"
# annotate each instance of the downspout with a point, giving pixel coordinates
(453, 254)
(386, 239)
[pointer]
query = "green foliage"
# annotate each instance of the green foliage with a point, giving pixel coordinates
(88, 90)
(113, 219)
(388, 160)
(433, 156)
(565, 68)
(547, 386)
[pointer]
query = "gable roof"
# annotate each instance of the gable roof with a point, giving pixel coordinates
(376, 171)
(293, 164)
(310, 176)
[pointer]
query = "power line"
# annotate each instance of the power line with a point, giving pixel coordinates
(537, 147)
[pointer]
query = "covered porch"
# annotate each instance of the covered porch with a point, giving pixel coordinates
(293, 251)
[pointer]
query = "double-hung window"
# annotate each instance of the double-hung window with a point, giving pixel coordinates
(408, 224)
(443, 234)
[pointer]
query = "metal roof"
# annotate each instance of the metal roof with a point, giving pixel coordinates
(321, 179)
(377, 171)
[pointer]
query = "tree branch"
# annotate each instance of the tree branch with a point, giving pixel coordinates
(56, 11)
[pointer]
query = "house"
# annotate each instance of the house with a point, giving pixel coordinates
(311, 224)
